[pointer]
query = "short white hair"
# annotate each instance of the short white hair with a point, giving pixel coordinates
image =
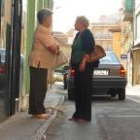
(83, 20)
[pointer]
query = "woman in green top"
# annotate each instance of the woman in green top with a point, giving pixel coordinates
(82, 46)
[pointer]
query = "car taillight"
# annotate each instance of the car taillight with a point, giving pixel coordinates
(2, 69)
(65, 75)
(123, 71)
(72, 73)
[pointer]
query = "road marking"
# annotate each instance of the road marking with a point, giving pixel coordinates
(120, 116)
(133, 100)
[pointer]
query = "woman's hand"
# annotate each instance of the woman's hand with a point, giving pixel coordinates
(70, 62)
(82, 66)
(83, 63)
(86, 57)
(54, 48)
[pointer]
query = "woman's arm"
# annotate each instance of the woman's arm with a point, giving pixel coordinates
(48, 41)
(53, 48)
(88, 45)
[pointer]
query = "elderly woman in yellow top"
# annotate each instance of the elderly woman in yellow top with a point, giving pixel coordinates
(40, 60)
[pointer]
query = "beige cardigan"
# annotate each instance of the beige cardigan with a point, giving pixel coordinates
(40, 56)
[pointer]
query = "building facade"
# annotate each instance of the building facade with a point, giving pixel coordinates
(117, 47)
(108, 35)
(102, 35)
(136, 48)
(128, 37)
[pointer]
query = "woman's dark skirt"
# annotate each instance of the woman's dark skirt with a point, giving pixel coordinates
(38, 88)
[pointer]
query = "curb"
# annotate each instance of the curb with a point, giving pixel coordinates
(39, 134)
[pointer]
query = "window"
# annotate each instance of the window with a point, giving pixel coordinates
(110, 58)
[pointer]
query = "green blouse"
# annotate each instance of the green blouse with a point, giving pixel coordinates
(83, 44)
(77, 51)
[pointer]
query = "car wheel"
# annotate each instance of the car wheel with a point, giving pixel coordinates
(121, 94)
(70, 95)
(113, 95)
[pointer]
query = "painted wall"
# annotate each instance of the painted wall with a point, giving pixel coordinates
(117, 43)
(33, 7)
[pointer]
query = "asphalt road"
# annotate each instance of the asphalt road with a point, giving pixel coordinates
(111, 120)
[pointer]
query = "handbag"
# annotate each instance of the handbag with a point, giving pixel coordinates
(97, 54)
(60, 59)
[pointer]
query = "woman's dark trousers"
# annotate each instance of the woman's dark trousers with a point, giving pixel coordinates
(82, 92)
(38, 88)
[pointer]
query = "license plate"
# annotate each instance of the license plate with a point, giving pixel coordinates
(101, 72)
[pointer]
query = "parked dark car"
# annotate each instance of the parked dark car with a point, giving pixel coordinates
(58, 75)
(3, 70)
(65, 74)
(108, 79)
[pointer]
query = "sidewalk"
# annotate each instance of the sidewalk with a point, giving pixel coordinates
(130, 90)
(22, 127)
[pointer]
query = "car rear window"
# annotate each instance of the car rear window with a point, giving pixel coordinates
(110, 58)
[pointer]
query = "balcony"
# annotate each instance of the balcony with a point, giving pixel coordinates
(128, 10)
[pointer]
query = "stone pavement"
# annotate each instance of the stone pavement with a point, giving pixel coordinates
(22, 126)
(133, 90)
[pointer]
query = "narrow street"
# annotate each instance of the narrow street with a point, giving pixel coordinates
(111, 120)
(43, 42)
